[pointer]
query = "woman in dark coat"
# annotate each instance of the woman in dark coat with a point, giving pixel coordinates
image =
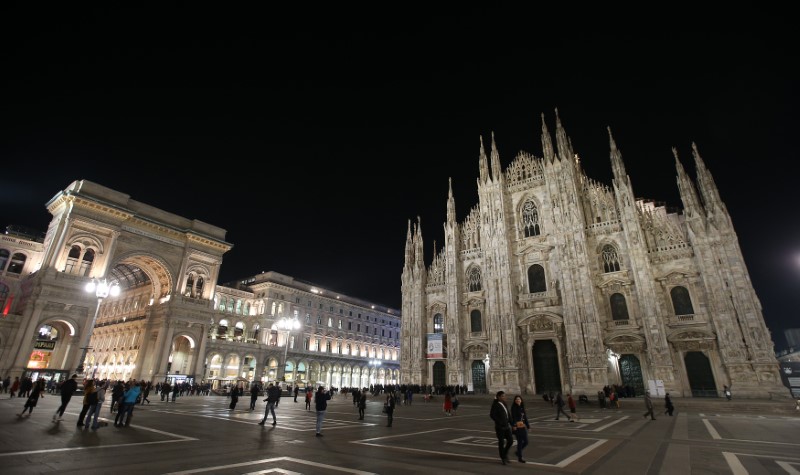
(235, 391)
(36, 393)
(519, 425)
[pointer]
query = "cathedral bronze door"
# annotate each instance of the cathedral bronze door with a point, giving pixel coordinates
(631, 372)
(439, 378)
(478, 377)
(701, 378)
(545, 367)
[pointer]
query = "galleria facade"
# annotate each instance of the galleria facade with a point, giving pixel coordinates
(171, 321)
(556, 282)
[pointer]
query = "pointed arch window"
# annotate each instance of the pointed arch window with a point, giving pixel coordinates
(438, 323)
(619, 308)
(17, 263)
(681, 301)
(474, 280)
(610, 259)
(530, 219)
(222, 303)
(536, 279)
(475, 322)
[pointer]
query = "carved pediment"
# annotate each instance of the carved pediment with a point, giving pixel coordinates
(676, 277)
(540, 324)
(528, 247)
(437, 307)
(691, 336)
(474, 302)
(614, 281)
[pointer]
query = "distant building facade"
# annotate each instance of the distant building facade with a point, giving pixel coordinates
(557, 282)
(171, 321)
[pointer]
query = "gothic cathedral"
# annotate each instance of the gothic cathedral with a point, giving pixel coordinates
(555, 282)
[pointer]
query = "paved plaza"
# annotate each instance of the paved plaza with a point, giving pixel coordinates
(198, 434)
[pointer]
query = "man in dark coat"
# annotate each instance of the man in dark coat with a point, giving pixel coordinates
(255, 389)
(68, 388)
(502, 427)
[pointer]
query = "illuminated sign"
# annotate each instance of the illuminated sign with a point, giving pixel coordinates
(44, 345)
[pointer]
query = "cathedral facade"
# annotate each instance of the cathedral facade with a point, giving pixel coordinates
(555, 282)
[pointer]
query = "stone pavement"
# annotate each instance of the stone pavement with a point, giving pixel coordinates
(200, 435)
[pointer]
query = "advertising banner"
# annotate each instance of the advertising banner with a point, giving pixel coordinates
(437, 346)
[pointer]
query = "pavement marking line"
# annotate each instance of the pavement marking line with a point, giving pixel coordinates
(676, 460)
(609, 424)
(714, 434)
(276, 459)
(490, 442)
(69, 449)
(180, 438)
(788, 467)
(735, 464)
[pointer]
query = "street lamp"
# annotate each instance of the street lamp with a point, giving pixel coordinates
(101, 290)
(287, 324)
(374, 371)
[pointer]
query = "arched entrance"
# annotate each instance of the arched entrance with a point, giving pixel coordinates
(545, 367)
(479, 377)
(701, 378)
(630, 370)
(439, 378)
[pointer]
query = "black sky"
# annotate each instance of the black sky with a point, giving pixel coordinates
(313, 136)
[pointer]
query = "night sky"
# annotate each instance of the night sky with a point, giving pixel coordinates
(313, 136)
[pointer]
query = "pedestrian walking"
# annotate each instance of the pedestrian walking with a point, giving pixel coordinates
(573, 416)
(68, 388)
(668, 404)
(559, 403)
(447, 406)
(234, 397)
(273, 396)
(146, 392)
(89, 400)
(165, 390)
(727, 392)
(308, 400)
(519, 425)
(36, 393)
(14, 386)
(362, 403)
(321, 399)
(648, 404)
(502, 425)
(255, 389)
(456, 402)
(388, 408)
(296, 391)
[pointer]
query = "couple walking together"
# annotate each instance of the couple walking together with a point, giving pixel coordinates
(508, 422)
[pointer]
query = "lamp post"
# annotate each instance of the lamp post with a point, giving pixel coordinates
(101, 290)
(374, 363)
(287, 324)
